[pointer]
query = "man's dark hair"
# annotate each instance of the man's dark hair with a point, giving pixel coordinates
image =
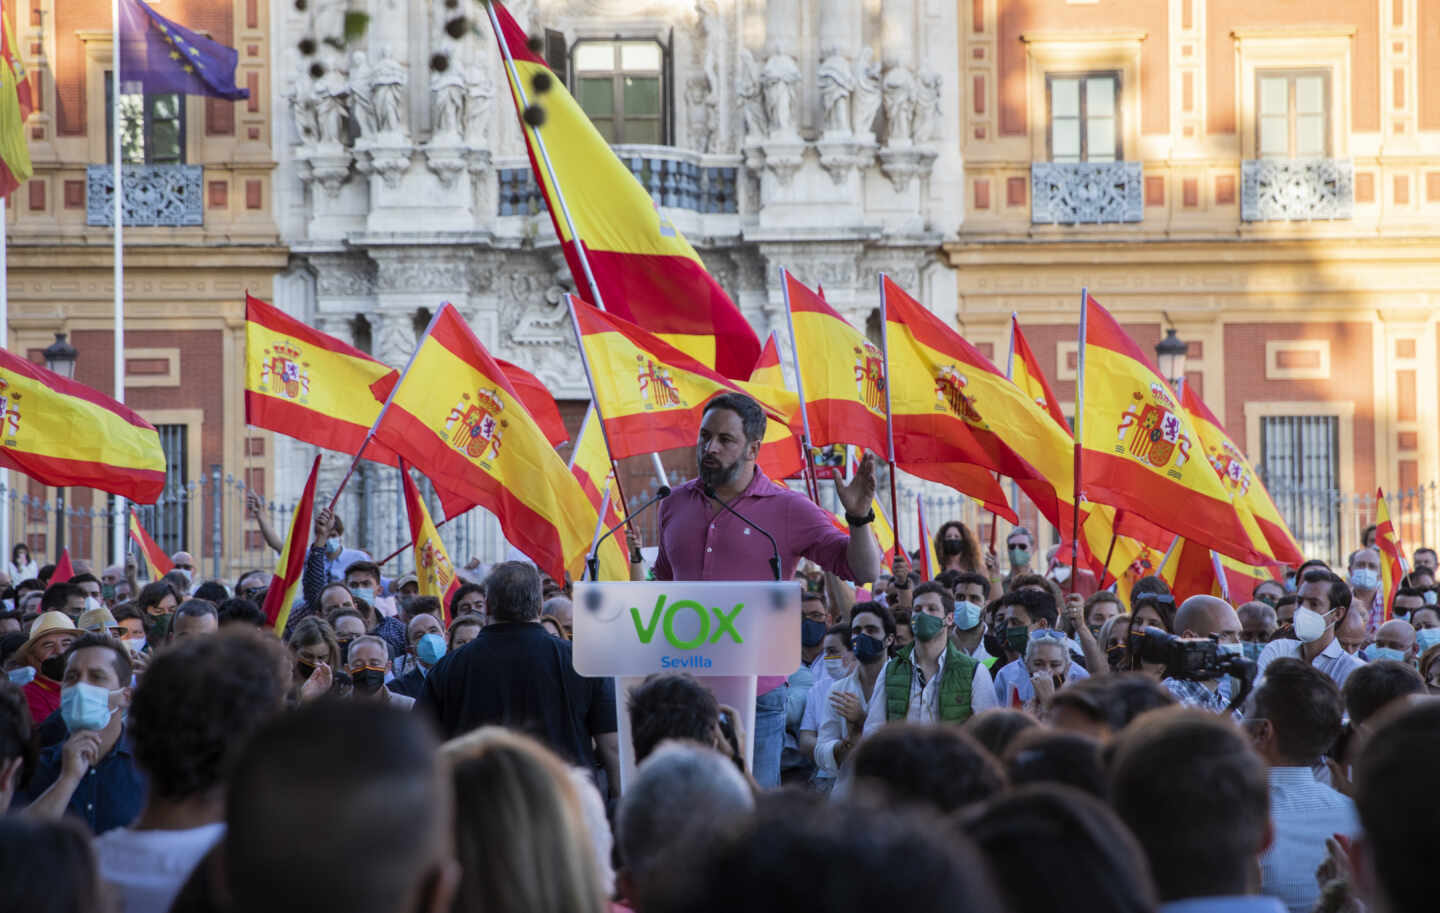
(86, 577)
(423, 605)
(1424, 551)
(1309, 563)
(1255, 589)
(195, 608)
(940, 766)
(197, 704)
(1197, 798)
(241, 611)
(1339, 592)
(364, 567)
(1049, 756)
(1038, 604)
(997, 727)
(46, 572)
(841, 631)
(58, 595)
(125, 610)
(28, 585)
(1397, 813)
(671, 705)
(1101, 860)
(893, 861)
(15, 727)
(152, 594)
(212, 591)
(1411, 591)
(971, 577)
(372, 773)
(887, 620)
(465, 590)
(1376, 684)
(512, 592)
(1114, 700)
(119, 653)
(752, 417)
(48, 867)
(947, 598)
(1303, 706)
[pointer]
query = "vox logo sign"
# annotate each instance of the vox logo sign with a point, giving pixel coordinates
(714, 623)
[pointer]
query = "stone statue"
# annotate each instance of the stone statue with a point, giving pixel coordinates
(752, 103)
(927, 108)
(712, 26)
(866, 102)
(836, 80)
(362, 109)
(899, 105)
(447, 90)
(329, 19)
(330, 108)
(301, 95)
(780, 79)
(387, 92)
(480, 95)
(701, 110)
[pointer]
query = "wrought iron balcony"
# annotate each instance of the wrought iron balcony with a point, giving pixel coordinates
(1085, 192)
(1296, 189)
(674, 178)
(155, 195)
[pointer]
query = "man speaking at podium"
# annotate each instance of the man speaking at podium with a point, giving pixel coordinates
(700, 539)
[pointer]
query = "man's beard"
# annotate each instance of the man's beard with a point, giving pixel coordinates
(718, 475)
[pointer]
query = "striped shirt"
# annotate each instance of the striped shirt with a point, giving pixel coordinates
(1305, 813)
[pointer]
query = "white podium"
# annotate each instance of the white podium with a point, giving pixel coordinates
(722, 632)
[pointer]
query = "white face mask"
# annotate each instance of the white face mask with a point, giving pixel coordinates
(1060, 573)
(1309, 625)
(835, 667)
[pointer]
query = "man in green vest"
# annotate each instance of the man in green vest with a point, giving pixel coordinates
(930, 681)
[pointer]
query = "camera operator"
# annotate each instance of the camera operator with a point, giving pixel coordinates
(1202, 618)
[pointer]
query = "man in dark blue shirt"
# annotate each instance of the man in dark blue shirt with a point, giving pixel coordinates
(92, 774)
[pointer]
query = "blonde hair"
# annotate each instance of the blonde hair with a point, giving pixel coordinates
(520, 829)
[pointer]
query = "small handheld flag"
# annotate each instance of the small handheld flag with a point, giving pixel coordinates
(159, 562)
(291, 566)
(433, 570)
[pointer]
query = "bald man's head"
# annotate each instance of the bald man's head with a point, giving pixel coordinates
(1207, 616)
(1351, 631)
(1397, 634)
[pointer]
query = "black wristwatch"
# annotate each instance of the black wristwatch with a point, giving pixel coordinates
(860, 521)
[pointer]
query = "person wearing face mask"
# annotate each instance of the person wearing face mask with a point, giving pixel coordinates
(957, 548)
(1047, 662)
(972, 591)
(1363, 570)
(328, 560)
(843, 716)
(318, 671)
(1268, 592)
(367, 662)
(44, 651)
(931, 681)
(156, 603)
(1206, 618)
(427, 645)
(1394, 640)
(839, 661)
(1426, 622)
(92, 775)
(1020, 546)
(1407, 600)
(1022, 613)
(349, 626)
(814, 623)
(1423, 557)
(1323, 600)
(1258, 624)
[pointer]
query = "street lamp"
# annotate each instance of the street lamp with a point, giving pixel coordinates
(1171, 352)
(60, 357)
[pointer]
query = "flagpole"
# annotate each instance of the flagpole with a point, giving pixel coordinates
(1010, 376)
(4, 344)
(595, 400)
(411, 543)
(1159, 571)
(118, 225)
(1079, 437)
(800, 389)
(889, 418)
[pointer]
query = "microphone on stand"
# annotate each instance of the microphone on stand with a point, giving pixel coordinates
(775, 559)
(593, 562)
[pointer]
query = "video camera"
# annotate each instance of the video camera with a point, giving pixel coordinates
(1195, 660)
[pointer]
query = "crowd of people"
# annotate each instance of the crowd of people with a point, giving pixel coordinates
(1001, 737)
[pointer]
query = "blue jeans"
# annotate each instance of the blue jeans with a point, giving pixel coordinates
(769, 737)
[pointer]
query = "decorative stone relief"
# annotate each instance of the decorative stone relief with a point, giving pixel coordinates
(868, 93)
(701, 118)
(1086, 192)
(394, 337)
(362, 106)
(836, 79)
(781, 79)
(750, 90)
(899, 106)
(388, 79)
(1297, 189)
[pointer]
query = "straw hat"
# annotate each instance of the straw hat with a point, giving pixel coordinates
(46, 623)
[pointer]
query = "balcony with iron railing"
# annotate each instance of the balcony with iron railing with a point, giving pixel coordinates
(1086, 193)
(675, 179)
(1297, 190)
(166, 196)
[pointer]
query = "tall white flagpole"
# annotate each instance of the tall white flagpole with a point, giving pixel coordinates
(116, 86)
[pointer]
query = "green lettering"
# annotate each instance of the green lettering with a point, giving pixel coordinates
(646, 632)
(699, 610)
(725, 622)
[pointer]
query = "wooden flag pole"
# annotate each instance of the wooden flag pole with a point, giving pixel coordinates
(889, 419)
(1079, 438)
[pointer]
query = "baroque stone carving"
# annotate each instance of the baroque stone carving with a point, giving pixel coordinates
(899, 105)
(362, 107)
(926, 127)
(701, 120)
(750, 91)
(331, 93)
(395, 338)
(1297, 189)
(479, 96)
(387, 92)
(1085, 192)
(866, 103)
(422, 275)
(301, 96)
(780, 80)
(836, 79)
(448, 91)
(161, 195)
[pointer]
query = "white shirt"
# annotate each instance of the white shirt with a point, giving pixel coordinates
(148, 868)
(833, 725)
(1333, 660)
(1305, 813)
(925, 699)
(1016, 676)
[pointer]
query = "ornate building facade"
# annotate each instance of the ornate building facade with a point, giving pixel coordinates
(818, 135)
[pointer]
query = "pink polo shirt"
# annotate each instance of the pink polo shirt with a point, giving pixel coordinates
(701, 541)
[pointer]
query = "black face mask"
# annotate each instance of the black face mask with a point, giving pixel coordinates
(345, 650)
(1115, 656)
(303, 669)
(867, 649)
(368, 681)
(994, 644)
(54, 667)
(952, 546)
(812, 632)
(1017, 637)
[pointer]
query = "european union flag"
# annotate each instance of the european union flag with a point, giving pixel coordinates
(167, 57)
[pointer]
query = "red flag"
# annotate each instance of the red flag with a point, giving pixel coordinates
(64, 570)
(286, 580)
(433, 570)
(160, 563)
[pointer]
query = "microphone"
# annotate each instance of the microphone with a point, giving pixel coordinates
(593, 562)
(775, 559)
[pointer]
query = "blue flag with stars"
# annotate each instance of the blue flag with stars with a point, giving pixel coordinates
(166, 57)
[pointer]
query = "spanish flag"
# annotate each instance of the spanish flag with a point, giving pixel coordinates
(645, 270)
(456, 417)
(433, 570)
(538, 402)
(1139, 450)
(841, 373)
(929, 561)
(958, 420)
(1268, 529)
(159, 562)
(291, 566)
(1194, 570)
(590, 464)
(652, 395)
(1392, 554)
(15, 107)
(60, 432)
(780, 453)
(1025, 372)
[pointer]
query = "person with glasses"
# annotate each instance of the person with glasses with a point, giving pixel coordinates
(1022, 615)
(252, 586)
